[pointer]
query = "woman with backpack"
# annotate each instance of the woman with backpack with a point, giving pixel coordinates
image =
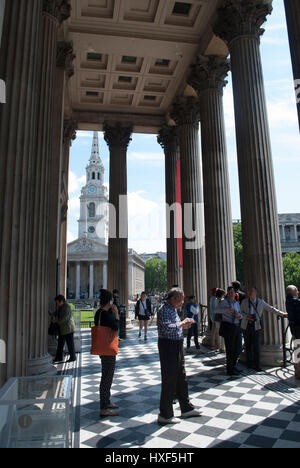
(143, 311)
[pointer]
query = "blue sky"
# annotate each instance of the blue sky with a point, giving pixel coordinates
(146, 172)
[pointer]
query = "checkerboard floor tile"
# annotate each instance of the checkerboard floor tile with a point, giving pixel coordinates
(246, 412)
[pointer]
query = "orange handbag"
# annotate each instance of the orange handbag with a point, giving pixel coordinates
(105, 341)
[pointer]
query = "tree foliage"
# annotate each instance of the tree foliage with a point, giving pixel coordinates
(156, 275)
(239, 252)
(291, 268)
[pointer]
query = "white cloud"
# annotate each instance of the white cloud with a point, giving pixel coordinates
(151, 157)
(70, 237)
(75, 183)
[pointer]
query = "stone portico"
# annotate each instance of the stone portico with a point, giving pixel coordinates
(125, 67)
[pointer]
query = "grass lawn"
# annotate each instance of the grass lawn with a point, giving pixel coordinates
(87, 316)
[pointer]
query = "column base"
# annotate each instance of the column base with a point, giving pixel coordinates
(206, 341)
(41, 365)
(271, 355)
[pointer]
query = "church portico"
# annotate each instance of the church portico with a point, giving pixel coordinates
(132, 64)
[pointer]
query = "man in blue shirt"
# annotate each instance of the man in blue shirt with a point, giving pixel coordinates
(192, 311)
(170, 345)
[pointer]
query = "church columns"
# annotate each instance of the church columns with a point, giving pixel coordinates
(64, 70)
(78, 280)
(54, 13)
(168, 139)
(19, 64)
(105, 275)
(239, 25)
(208, 79)
(185, 113)
(69, 135)
(292, 9)
(91, 292)
(118, 137)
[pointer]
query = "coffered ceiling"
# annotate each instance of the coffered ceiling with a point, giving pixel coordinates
(132, 56)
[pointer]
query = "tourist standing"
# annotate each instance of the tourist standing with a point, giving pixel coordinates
(293, 310)
(107, 316)
(143, 311)
(192, 312)
(252, 310)
(230, 329)
(217, 342)
(66, 324)
(171, 353)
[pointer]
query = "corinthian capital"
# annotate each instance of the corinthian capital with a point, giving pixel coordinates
(70, 127)
(59, 9)
(238, 18)
(168, 138)
(65, 57)
(117, 135)
(209, 73)
(186, 110)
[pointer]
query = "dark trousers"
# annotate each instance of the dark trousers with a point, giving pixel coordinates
(252, 345)
(107, 375)
(193, 331)
(232, 337)
(173, 377)
(62, 339)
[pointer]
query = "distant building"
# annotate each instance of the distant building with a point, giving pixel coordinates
(148, 256)
(290, 232)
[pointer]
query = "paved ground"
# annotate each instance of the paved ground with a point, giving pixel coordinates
(249, 411)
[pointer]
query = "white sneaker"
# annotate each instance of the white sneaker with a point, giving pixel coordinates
(191, 414)
(164, 421)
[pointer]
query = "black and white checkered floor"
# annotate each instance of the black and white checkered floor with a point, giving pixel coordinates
(245, 412)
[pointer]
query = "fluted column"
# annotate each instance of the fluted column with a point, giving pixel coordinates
(118, 137)
(292, 8)
(185, 112)
(78, 278)
(91, 292)
(54, 13)
(208, 79)
(19, 64)
(168, 139)
(239, 25)
(105, 275)
(64, 70)
(69, 135)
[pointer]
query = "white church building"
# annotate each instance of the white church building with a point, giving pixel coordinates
(88, 255)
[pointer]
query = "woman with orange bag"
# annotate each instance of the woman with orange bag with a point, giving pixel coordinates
(107, 316)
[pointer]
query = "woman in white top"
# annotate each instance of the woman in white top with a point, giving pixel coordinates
(143, 311)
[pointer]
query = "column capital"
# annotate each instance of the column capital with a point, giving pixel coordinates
(65, 57)
(168, 138)
(70, 127)
(239, 18)
(209, 72)
(186, 110)
(59, 9)
(117, 135)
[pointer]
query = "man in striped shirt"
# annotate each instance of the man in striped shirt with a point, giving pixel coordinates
(170, 345)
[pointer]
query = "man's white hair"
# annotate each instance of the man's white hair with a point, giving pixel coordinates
(291, 288)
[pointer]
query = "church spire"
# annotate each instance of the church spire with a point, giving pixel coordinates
(95, 154)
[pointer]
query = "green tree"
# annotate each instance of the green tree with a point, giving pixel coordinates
(239, 252)
(291, 268)
(156, 275)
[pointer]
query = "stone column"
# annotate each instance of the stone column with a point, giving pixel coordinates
(69, 135)
(19, 66)
(118, 137)
(168, 139)
(185, 112)
(208, 79)
(239, 25)
(105, 275)
(78, 280)
(292, 8)
(91, 292)
(64, 70)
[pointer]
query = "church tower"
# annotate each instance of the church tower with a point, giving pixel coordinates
(93, 222)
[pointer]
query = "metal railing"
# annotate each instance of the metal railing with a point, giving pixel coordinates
(288, 351)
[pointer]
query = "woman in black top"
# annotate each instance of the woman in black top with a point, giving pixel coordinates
(109, 318)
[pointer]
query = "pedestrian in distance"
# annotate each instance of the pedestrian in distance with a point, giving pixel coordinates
(192, 312)
(143, 312)
(66, 324)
